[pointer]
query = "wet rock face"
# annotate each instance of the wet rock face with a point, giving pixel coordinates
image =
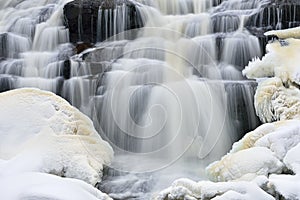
(278, 14)
(82, 17)
(3, 45)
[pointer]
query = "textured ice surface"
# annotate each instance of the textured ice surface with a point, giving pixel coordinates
(41, 132)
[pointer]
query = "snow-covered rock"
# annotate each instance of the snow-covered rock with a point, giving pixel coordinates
(286, 33)
(243, 190)
(41, 132)
(288, 186)
(42, 186)
(260, 152)
(244, 165)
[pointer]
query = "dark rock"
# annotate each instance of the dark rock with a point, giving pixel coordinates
(12, 44)
(272, 37)
(7, 83)
(59, 86)
(80, 47)
(81, 17)
(278, 14)
(66, 72)
(3, 45)
(217, 2)
(241, 106)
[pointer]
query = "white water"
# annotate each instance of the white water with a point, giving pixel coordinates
(161, 102)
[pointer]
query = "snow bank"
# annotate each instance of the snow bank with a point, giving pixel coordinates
(187, 189)
(41, 186)
(41, 132)
(288, 185)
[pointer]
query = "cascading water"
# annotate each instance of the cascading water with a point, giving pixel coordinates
(170, 97)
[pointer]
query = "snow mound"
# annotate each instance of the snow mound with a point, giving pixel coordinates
(244, 165)
(187, 189)
(288, 185)
(260, 152)
(41, 186)
(41, 132)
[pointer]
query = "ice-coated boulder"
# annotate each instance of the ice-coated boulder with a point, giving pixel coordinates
(244, 165)
(41, 132)
(259, 152)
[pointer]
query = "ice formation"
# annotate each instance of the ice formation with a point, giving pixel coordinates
(278, 98)
(287, 33)
(41, 132)
(281, 61)
(274, 101)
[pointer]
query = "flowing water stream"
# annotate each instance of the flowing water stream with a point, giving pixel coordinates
(170, 97)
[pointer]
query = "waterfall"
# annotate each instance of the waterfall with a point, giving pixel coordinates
(169, 97)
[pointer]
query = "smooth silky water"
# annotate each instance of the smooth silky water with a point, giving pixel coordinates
(170, 98)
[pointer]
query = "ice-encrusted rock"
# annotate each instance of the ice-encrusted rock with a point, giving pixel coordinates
(278, 98)
(260, 152)
(281, 61)
(244, 165)
(41, 132)
(286, 33)
(274, 102)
